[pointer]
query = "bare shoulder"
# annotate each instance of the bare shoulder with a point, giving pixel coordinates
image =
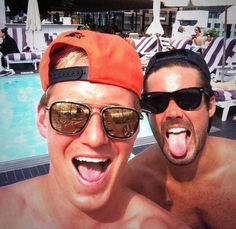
(219, 184)
(151, 215)
(11, 204)
(11, 196)
(143, 165)
(224, 156)
(15, 201)
(146, 158)
(223, 150)
(223, 145)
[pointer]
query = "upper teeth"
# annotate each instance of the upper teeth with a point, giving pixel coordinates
(94, 160)
(176, 130)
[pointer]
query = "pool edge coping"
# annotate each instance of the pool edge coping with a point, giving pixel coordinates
(32, 161)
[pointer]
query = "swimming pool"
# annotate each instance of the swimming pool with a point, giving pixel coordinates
(19, 136)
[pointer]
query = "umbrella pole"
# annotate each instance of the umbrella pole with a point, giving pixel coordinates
(224, 45)
(33, 39)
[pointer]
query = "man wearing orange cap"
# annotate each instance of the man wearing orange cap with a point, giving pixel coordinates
(90, 116)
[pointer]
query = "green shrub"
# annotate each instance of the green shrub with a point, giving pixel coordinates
(213, 31)
(85, 27)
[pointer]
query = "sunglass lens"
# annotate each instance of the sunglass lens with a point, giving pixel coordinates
(188, 99)
(69, 118)
(120, 122)
(159, 101)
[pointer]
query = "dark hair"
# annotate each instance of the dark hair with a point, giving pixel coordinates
(4, 30)
(198, 28)
(176, 57)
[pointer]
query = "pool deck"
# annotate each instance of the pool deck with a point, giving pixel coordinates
(15, 171)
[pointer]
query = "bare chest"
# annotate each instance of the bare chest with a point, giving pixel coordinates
(200, 205)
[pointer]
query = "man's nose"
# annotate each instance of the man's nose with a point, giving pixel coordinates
(94, 133)
(173, 110)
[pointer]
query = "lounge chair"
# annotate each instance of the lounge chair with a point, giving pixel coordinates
(225, 99)
(6, 72)
(181, 44)
(165, 44)
(213, 56)
(147, 45)
(225, 91)
(19, 35)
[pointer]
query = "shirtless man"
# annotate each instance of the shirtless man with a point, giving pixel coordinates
(188, 172)
(90, 130)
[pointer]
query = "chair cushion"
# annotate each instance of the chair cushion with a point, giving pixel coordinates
(146, 45)
(181, 44)
(223, 94)
(22, 56)
(213, 54)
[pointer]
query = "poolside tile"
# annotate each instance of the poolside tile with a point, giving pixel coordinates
(19, 174)
(139, 149)
(11, 176)
(43, 169)
(46, 166)
(34, 171)
(3, 179)
(27, 173)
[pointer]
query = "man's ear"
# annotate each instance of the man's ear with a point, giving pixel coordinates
(212, 106)
(41, 121)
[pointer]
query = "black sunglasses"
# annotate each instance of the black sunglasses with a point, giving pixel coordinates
(187, 99)
(70, 118)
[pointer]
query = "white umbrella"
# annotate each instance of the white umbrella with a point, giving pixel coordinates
(33, 22)
(156, 27)
(231, 16)
(225, 3)
(2, 13)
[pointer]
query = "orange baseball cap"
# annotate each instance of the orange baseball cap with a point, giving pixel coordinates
(111, 60)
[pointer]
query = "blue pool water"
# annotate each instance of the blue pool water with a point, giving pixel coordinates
(19, 136)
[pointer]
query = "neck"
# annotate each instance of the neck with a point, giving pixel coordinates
(60, 211)
(63, 212)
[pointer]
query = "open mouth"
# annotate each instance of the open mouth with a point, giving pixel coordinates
(178, 139)
(91, 169)
(176, 131)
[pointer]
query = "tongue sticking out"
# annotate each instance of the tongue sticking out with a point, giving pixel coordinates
(90, 171)
(178, 144)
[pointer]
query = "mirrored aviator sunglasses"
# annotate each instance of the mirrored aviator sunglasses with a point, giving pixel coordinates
(70, 118)
(187, 99)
